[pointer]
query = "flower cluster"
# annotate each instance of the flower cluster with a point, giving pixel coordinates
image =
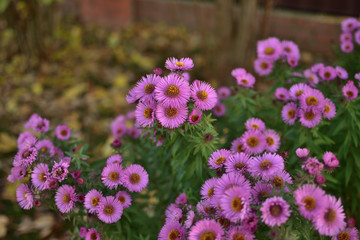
(124, 125)
(243, 78)
(272, 49)
(220, 109)
(167, 99)
(350, 33)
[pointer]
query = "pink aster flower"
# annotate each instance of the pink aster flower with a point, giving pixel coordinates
(297, 90)
(289, 113)
(145, 88)
(263, 66)
(247, 80)
(309, 117)
(272, 140)
(171, 117)
(293, 62)
(302, 152)
(267, 165)
(174, 64)
(205, 97)
(261, 191)
(357, 76)
(195, 116)
(92, 234)
(350, 233)
(82, 232)
(290, 49)
(109, 210)
(173, 213)
(207, 189)
(251, 222)
(255, 124)
(114, 159)
(329, 109)
(270, 48)
(111, 175)
(235, 204)
(231, 180)
(253, 142)
(238, 72)
(282, 94)
(218, 158)
(62, 132)
(239, 232)
(17, 173)
(341, 72)
(330, 160)
(60, 169)
(237, 146)
(145, 113)
(349, 24)
(131, 96)
(172, 230)
(134, 132)
(347, 47)
(219, 109)
(92, 199)
(223, 92)
(313, 166)
(39, 176)
(181, 199)
(309, 199)
(40, 125)
(346, 37)
(26, 139)
(65, 198)
(357, 37)
(135, 178)
(280, 180)
(25, 197)
(316, 67)
(275, 211)
(118, 130)
(45, 147)
(189, 219)
(25, 157)
(206, 229)
(313, 78)
(330, 220)
(124, 198)
(237, 163)
(312, 99)
(350, 91)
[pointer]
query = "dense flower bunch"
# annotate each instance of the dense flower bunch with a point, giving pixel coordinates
(271, 50)
(350, 33)
(252, 192)
(124, 125)
(167, 99)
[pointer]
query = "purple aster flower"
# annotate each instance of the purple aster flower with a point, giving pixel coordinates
(280, 180)
(297, 90)
(92, 234)
(346, 37)
(272, 140)
(237, 146)
(313, 166)
(82, 232)
(134, 132)
(184, 64)
(205, 97)
(330, 220)
(131, 96)
(289, 113)
(255, 124)
(195, 116)
(350, 233)
(17, 173)
(293, 62)
(145, 113)
(145, 88)
(309, 198)
(58, 152)
(275, 211)
(26, 139)
(267, 165)
(158, 71)
(313, 99)
(131, 115)
(341, 72)
(350, 91)
(50, 183)
(316, 67)
(290, 49)
(231, 180)
(237, 163)
(261, 191)
(109, 210)
(135, 178)
(282, 94)
(171, 117)
(118, 130)
(347, 47)
(92, 199)
(40, 125)
(173, 231)
(270, 48)
(349, 24)
(25, 157)
(186, 76)
(223, 92)
(62, 132)
(251, 222)
(114, 159)
(30, 123)
(302, 153)
(320, 179)
(60, 169)
(309, 117)
(181, 199)
(357, 37)
(263, 66)
(238, 233)
(330, 160)
(124, 198)
(218, 158)
(111, 175)
(238, 72)
(39, 176)
(313, 78)
(247, 80)
(45, 147)
(173, 213)
(189, 219)
(253, 142)
(207, 189)
(235, 204)
(206, 229)
(357, 76)
(329, 109)
(25, 197)
(65, 198)
(219, 109)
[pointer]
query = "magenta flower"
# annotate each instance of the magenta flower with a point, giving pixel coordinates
(134, 132)
(82, 232)
(124, 198)
(62, 132)
(189, 219)
(357, 37)
(350, 91)
(39, 176)
(309, 199)
(290, 49)
(238, 72)
(282, 94)
(195, 116)
(206, 229)
(261, 191)
(174, 64)
(109, 210)
(45, 147)
(349, 24)
(302, 152)
(92, 199)
(40, 125)
(92, 234)
(316, 67)
(131, 96)
(25, 197)
(247, 80)
(309, 117)
(145, 113)
(350, 233)
(263, 66)
(346, 37)
(114, 159)
(235, 204)
(111, 175)
(272, 140)
(60, 169)
(270, 48)
(297, 90)
(312, 99)
(218, 158)
(267, 165)
(17, 173)
(237, 146)
(205, 97)
(118, 130)
(145, 88)
(255, 124)
(172, 230)
(135, 178)
(347, 47)
(230, 180)
(223, 92)
(280, 180)
(330, 160)
(173, 213)
(289, 113)
(181, 199)
(219, 109)
(207, 189)
(313, 166)
(26, 139)
(237, 163)
(329, 109)
(25, 157)
(275, 211)
(65, 198)
(341, 72)
(253, 142)
(171, 117)
(313, 78)
(239, 232)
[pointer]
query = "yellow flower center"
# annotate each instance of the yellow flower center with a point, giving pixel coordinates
(171, 112)
(135, 178)
(312, 101)
(327, 108)
(122, 199)
(220, 160)
(95, 201)
(269, 51)
(109, 210)
(172, 91)
(330, 215)
(174, 234)
(270, 141)
(210, 192)
(202, 95)
(66, 198)
(309, 116)
(344, 235)
(264, 65)
(236, 204)
(310, 203)
(42, 177)
(114, 176)
(179, 64)
(299, 92)
(265, 164)
(253, 141)
(148, 113)
(278, 181)
(275, 210)
(208, 235)
(63, 133)
(149, 88)
(238, 236)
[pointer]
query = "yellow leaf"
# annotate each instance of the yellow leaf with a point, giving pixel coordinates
(37, 88)
(121, 81)
(75, 91)
(7, 142)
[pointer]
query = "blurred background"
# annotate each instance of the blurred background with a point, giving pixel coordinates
(73, 61)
